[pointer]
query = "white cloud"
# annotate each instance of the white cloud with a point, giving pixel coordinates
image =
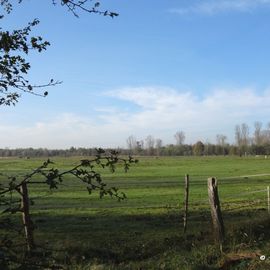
(160, 112)
(63, 131)
(168, 109)
(211, 7)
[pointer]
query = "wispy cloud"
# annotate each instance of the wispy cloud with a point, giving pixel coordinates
(160, 112)
(211, 7)
(172, 109)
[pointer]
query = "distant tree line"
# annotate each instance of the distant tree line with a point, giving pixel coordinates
(44, 152)
(258, 143)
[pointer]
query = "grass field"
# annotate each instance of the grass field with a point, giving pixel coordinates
(146, 230)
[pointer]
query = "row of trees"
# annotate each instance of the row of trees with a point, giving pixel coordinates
(151, 146)
(43, 152)
(200, 148)
(256, 144)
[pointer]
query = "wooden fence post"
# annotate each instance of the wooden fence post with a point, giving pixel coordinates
(186, 201)
(27, 223)
(268, 199)
(216, 211)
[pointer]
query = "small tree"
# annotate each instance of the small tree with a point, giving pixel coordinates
(258, 134)
(26, 255)
(221, 142)
(242, 137)
(149, 144)
(158, 145)
(179, 137)
(198, 148)
(131, 143)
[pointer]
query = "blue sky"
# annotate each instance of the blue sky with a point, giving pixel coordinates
(161, 66)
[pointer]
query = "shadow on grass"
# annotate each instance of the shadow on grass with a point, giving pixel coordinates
(114, 238)
(120, 238)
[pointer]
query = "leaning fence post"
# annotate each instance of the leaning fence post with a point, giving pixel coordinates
(27, 223)
(268, 199)
(186, 201)
(216, 211)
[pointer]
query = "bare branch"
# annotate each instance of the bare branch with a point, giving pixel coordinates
(74, 5)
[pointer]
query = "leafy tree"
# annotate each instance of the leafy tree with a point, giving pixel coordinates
(16, 45)
(198, 148)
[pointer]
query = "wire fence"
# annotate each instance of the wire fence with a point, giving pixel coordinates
(231, 201)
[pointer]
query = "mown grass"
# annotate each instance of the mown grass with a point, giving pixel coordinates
(145, 231)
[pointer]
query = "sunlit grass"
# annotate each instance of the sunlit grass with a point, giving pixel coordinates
(145, 231)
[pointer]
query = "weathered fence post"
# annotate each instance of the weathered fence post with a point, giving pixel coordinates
(27, 223)
(216, 211)
(268, 200)
(186, 201)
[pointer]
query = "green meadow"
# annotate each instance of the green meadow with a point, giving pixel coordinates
(145, 231)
